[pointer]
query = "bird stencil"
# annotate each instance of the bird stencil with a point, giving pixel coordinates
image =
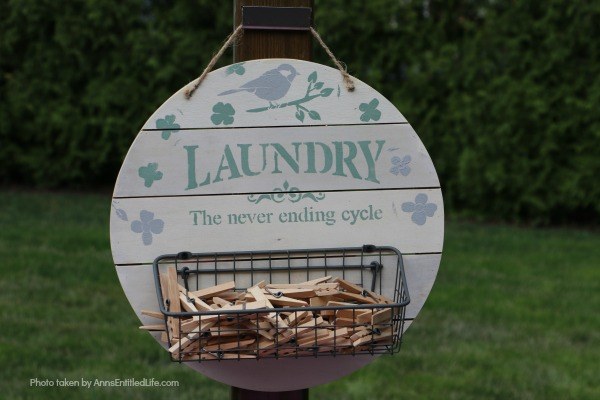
(272, 85)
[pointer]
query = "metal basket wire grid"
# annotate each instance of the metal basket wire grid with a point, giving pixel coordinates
(242, 332)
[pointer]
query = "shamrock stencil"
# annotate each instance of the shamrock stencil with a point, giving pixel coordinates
(420, 209)
(235, 69)
(150, 173)
(223, 114)
(167, 125)
(147, 226)
(370, 111)
(400, 165)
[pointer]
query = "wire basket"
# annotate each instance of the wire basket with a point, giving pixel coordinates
(230, 331)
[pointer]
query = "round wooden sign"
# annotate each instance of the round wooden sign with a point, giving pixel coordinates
(270, 155)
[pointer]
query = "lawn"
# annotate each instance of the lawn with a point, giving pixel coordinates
(514, 314)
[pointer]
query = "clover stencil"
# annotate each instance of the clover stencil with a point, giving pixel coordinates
(223, 114)
(420, 209)
(150, 173)
(167, 125)
(400, 165)
(237, 69)
(370, 111)
(147, 226)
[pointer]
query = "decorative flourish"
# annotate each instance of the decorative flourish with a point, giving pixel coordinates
(223, 114)
(292, 194)
(314, 90)
(370, 111)
(167, 125)
(237, 69)
(150, 173)
(400, 165)
(420, 209)
(147, 226)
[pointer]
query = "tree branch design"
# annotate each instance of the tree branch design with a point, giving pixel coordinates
(301, 110)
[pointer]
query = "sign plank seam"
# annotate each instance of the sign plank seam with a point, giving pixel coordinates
(271, 192)
(269, 126)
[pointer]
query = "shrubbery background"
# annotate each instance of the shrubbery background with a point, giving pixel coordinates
(504, 94)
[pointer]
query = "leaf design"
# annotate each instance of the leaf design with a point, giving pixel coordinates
(312, 78)
(300, 115)
(314, 115)
(121, 214)
(326, 92)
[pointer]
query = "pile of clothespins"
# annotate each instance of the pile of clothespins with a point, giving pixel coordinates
(344, 318)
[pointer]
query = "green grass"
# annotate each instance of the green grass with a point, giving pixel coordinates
(514, 314)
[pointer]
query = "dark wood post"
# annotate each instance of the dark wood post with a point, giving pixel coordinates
(253, 45)
(257, 44)
(243, 394)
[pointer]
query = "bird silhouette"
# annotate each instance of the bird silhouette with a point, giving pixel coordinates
(270, 86)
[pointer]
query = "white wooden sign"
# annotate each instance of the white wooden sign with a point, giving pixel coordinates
(269, 155)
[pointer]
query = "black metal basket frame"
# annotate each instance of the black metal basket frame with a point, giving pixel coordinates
(188, 265)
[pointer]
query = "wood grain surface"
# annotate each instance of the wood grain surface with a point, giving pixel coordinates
(257, 44)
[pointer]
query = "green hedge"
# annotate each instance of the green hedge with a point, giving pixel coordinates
(505, 95)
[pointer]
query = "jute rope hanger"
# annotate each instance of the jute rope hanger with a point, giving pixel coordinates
(237, 33)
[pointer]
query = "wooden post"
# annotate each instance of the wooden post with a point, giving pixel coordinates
(243, 394)
(256, 44)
